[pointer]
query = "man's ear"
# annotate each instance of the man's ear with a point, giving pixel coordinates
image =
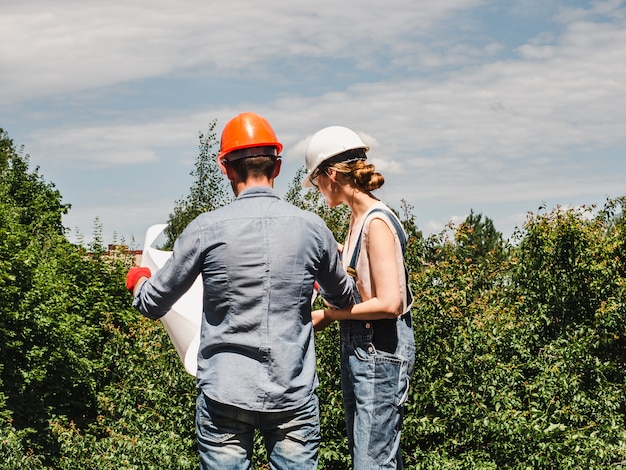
(228, 171)
(277, 167)
(223, 164)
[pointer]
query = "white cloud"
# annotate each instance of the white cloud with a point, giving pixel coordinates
(62, 46)
(448, 119)
(543, 103)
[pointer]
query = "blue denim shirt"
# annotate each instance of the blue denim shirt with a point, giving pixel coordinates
(258, 257)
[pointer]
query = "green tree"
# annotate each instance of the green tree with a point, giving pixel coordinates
(53, 297)
(520, 362)
(558, 269)
(145, 411)
(524, 371)
(337, 219)
(414, 255)
(477, 238)
(13, 455)
(208, 190)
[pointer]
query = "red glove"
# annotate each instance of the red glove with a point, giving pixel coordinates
(134, 274)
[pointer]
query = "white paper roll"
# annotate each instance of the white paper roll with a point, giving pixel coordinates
(183, 321)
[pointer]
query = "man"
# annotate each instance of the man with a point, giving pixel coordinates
(259, 258)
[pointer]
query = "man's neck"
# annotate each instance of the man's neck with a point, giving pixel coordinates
(240, 186)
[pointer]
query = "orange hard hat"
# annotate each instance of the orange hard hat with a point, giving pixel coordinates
(247, 130)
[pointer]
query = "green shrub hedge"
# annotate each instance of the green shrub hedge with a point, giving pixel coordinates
(520, 364)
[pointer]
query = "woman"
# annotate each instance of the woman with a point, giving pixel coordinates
(377, 342)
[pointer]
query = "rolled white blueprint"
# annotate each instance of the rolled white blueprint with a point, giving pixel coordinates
(183, 321)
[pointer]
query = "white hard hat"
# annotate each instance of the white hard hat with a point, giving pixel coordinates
(327, 143)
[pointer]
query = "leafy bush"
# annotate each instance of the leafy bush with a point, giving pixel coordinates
(525, 370)
(145, 413)
(521, 347)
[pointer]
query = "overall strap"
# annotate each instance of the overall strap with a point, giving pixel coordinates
(357, 247)
(351, 269)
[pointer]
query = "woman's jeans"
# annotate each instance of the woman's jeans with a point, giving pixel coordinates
(377, 359)
(226, 436)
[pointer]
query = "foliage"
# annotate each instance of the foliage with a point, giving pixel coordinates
(337, 219)
(12, 452)
(63, 313)
(415, 252)
(476, 240)
(521, 347)
(37, 204)
(145, 413)
(526, 370)
(208, 191)
(334, 452)
(30, 230)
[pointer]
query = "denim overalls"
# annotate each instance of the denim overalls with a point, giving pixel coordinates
(377, 359)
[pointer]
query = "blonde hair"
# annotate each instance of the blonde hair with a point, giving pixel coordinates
(361, 174)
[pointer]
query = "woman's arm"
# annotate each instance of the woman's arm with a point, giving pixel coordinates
(387, 300)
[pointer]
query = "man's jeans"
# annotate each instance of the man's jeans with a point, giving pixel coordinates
(375, 387)
(226, 436)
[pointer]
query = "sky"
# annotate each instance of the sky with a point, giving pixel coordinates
(494, 107)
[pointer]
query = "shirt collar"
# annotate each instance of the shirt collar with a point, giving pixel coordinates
(257, 191)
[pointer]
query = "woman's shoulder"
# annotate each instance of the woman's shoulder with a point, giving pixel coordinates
(380, 210)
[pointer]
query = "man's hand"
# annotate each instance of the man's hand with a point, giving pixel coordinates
(134, 274)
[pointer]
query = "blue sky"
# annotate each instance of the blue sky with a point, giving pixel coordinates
(496, 107)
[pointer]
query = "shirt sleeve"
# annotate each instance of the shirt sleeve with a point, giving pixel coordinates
(336, 287)
(159, 293)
